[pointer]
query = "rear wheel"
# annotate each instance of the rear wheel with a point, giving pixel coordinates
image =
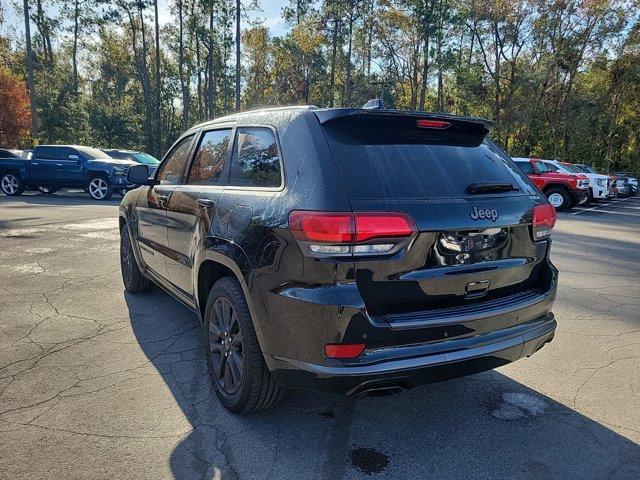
(11, 184)
(99, 188)
(237, 368)
(133, 279)
(559, 198)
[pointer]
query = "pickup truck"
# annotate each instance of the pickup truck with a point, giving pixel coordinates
(563, 191)
(599, 185)
(53, 167)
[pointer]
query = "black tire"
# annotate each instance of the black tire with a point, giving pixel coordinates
(591, 197)
(133, 279)
(255, 389)
(99, 188)
(47, 190)
(554, 200)
(11, 184)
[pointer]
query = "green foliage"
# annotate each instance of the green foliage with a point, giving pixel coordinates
(559, 78)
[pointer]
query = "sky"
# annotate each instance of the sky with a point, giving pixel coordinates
(269, 14)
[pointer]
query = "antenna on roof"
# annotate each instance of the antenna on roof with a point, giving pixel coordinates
(374, 104)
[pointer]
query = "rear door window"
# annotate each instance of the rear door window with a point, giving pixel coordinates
(256, 160)
(393, 158)
(526, 167)
(47, 152)
(210, 157)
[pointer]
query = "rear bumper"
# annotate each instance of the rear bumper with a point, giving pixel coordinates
(406, 369)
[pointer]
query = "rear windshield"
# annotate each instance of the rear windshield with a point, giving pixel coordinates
(380, 160)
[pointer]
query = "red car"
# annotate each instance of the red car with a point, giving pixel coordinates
(563, 190)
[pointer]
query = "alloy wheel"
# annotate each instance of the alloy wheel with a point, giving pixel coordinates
(226, 347)
(98, 188)
(10, 184)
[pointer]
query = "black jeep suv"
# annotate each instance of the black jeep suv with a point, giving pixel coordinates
(353, 251)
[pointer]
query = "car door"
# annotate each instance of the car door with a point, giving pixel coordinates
(43, 165)
(152, 207)
(192, 205)
(69, 169)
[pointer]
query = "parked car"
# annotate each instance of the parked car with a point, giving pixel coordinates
(353, 251)
(134, 156)
(631, 182)
(622, 185)
(599, 185)
(564, 191)
(59, 166)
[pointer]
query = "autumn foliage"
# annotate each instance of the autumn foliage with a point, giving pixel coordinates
(15, 114)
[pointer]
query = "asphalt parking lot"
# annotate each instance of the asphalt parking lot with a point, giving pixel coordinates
(96, 383)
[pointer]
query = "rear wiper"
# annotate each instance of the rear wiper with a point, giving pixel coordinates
(491, 187)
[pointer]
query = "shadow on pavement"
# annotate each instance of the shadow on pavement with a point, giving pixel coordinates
(62, 197)
(484, 426)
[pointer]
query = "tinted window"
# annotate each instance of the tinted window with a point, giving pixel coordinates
(144, 158)
(255, 158)
(210, 156)
(46, 152)
(172, 167)
(551, 167)
(381, 158)
(541, 166)
(525, 167)
(64, 152)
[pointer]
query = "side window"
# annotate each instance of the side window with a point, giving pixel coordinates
(47, 152)
(171, 169)
(255, 162)
(210, 156)
(525, 167)
(64, 152)
(541, 166)
(551, 167)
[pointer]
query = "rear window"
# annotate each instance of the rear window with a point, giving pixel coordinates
(378, 159)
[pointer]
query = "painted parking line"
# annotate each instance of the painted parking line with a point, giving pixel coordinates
(623, 203)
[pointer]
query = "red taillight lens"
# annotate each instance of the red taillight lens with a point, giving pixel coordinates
(322, 227)
(544, 219)
(374, 225)
(424, 123)
(339, 234)
(349, 350)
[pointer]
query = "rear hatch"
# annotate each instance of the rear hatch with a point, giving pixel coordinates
(471, 205)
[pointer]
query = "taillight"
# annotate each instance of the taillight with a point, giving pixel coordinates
(425, 123)
(544, 219)
(348, 350)
(340, 234)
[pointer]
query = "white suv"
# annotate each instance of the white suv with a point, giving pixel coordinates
(599, 185)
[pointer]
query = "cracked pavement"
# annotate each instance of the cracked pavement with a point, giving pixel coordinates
(96, 383)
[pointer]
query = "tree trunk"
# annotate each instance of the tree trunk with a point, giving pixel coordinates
(211, 86)
(238, 40)
(425, 73)
(30, 82)
(334, 52)
(184, 87)
(158, 150)
(74, 54)
(347, 101)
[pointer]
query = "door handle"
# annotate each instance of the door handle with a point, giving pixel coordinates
(34, 163)
(58, 164)
(204, 203)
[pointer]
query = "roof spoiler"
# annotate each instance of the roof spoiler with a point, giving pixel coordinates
(329, 115)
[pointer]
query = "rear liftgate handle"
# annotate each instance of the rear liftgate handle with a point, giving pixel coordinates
(476, 289)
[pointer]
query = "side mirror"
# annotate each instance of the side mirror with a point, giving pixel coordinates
(139, 175)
